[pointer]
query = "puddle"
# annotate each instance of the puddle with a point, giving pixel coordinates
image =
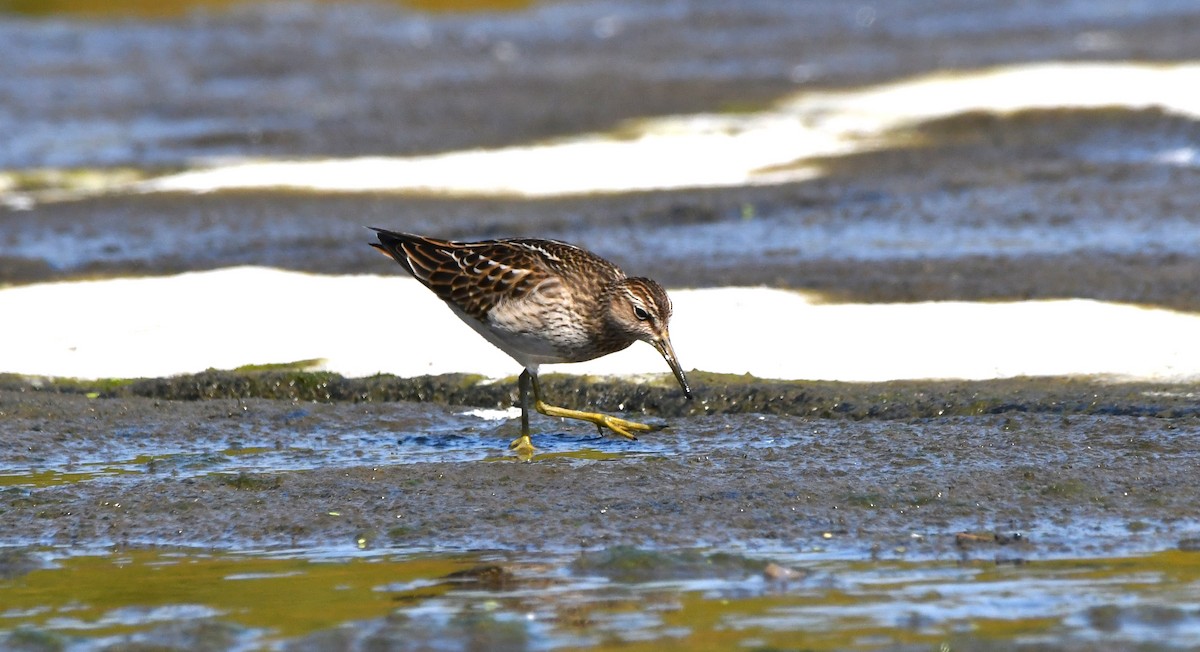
(386, 451)
(608, 599)
(239, 449)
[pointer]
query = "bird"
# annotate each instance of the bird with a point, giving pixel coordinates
(542, 302)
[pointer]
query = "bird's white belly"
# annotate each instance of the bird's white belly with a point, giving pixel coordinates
(549, 334)
(546, 336)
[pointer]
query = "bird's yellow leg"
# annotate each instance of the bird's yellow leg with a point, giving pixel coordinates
(620, 426)
(523, 445)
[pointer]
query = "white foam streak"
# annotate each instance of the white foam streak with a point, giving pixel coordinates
(362, 325)
(766, 147)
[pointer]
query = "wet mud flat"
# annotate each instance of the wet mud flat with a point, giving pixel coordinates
(1072, 466)
(1041, 514)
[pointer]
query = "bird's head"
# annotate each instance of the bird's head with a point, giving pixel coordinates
(642, 309)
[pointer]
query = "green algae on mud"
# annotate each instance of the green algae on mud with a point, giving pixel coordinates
(647, 600)
(118, 593)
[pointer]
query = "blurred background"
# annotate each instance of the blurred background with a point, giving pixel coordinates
(952, 223)
(768, 159)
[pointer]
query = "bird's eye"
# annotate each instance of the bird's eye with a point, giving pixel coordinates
(640, 313)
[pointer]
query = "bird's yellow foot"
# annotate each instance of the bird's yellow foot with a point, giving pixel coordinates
(523, 446)
(620, 426)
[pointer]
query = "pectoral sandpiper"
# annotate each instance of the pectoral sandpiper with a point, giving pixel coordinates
(542, 302)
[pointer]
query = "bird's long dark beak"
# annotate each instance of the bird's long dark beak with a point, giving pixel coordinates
(663, 344)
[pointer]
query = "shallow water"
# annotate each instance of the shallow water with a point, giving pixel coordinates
(889, 229)
(620, 598)
(298, 440)
(920, 233)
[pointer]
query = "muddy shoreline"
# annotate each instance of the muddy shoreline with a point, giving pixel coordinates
(1076, 467)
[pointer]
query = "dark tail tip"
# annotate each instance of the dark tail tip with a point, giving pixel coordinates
(390, 242)
(385, 236)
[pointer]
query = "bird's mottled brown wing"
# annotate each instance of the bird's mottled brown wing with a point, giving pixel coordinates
(474, 276)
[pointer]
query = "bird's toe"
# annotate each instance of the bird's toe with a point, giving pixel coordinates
(523, 446)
